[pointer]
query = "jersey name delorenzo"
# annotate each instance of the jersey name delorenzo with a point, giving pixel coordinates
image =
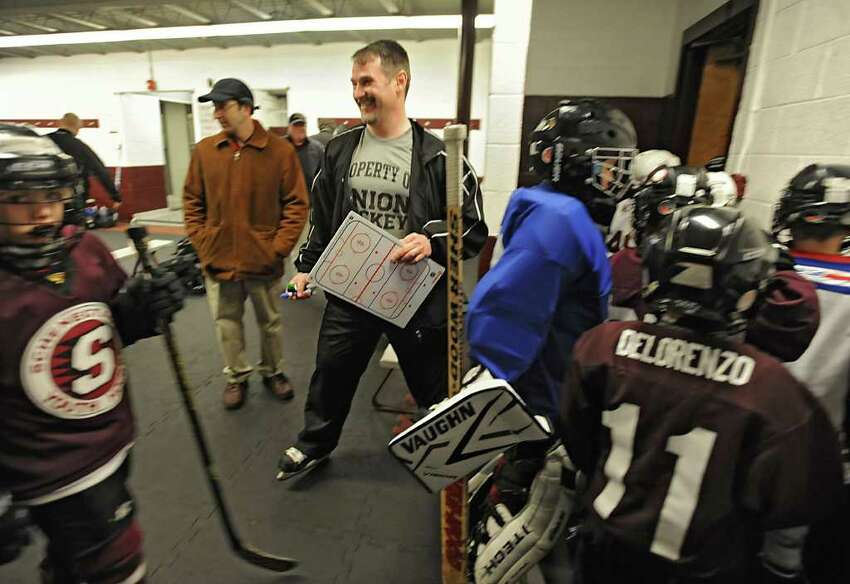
(715, 364)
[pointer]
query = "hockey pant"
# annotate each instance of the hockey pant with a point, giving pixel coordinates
(93, 536)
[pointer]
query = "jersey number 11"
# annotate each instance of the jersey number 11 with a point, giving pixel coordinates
(693, 451)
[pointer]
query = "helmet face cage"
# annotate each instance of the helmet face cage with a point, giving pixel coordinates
(611, 170)
(584, 147)
(31, 198)
(50, 248)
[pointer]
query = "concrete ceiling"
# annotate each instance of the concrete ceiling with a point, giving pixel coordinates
(27, 17)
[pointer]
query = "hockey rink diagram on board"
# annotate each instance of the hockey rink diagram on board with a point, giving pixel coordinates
(356, 267)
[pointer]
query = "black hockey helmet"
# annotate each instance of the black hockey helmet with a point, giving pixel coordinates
(585, 148)
(817, 195)
(706, 268)
(33, 172)
(668, 189)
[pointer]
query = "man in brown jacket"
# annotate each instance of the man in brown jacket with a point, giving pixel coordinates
(245, 204)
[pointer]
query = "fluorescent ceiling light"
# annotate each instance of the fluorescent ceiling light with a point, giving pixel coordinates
(80, 21)
(365, 23)
(320, 8)
(37, 26)
(188, 13)
(252, 10)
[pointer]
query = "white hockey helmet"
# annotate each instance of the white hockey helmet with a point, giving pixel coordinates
(647, 161)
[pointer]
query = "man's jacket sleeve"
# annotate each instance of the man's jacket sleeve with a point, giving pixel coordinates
(96, 167)
(511, 310)
(474, 228)
(321, 215)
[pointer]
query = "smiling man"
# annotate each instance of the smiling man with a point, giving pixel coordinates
(392, 172)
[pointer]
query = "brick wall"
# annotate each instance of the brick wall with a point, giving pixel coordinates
(504, 107)
(795, 106)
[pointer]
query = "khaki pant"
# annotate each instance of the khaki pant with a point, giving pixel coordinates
(227, 305)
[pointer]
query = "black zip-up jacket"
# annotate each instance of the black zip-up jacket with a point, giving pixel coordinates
(331, 203)
(89, 162)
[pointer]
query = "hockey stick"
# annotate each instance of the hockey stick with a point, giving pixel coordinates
(247, 552)
(453, 501)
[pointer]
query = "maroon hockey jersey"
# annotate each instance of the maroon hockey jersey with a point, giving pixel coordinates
(66, 418)
(694, 445)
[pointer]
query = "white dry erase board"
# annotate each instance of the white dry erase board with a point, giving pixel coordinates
(356, 267)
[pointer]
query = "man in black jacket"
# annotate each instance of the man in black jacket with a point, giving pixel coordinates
(392, 172)
(309, 150)
(87, 161)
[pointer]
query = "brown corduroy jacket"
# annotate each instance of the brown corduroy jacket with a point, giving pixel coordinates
(244, 209)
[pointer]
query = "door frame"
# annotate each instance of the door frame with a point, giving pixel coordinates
(735, 19)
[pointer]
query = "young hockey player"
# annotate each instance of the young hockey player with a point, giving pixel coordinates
(787, 316)
(67, 427)
(694, 442)
(815, 211)
(620, 233)
(553, 279)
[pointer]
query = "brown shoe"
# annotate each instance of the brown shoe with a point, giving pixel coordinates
(279, 386)
(234, 395)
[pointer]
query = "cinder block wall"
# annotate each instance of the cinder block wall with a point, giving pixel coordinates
(795, 105)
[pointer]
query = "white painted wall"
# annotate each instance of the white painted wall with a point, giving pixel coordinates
(317, 77)
(601, 47)
(615, 48)
(795, 107)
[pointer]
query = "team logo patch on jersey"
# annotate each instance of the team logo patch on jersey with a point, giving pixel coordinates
(71, 367)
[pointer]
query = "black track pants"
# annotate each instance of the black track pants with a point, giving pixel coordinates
(347, 339)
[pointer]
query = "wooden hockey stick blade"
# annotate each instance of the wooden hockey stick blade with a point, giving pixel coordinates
(263, 560)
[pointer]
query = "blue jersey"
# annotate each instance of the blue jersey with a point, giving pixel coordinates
(550, 286)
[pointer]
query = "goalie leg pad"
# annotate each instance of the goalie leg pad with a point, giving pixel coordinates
(517, 543)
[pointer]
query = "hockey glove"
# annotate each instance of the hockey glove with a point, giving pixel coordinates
(14, 530)
(160, 295)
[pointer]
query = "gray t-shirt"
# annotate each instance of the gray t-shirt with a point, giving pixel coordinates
(379, 179)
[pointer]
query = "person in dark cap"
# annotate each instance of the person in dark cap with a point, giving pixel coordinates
(309, 151)
(244, 203)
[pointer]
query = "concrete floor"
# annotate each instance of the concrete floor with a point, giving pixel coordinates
(360, 519)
